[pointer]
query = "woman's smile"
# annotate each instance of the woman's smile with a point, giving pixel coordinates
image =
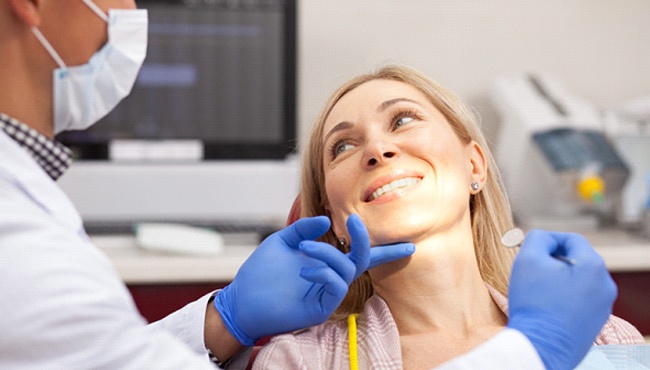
(384, 188)
(397, 184)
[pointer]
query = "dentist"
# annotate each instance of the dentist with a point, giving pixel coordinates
(64, 64)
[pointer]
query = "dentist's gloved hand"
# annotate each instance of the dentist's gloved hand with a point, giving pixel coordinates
(560, 307)
(292, 282)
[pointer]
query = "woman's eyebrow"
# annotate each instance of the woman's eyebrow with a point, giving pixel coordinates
(339, 126)
(384, 105)
(344, 125)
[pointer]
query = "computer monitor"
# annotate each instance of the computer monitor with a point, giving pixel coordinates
(219, 72)
(208, 131)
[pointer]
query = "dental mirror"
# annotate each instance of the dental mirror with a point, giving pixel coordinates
(513, 237)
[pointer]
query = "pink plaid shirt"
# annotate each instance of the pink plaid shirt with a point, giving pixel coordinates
(326, 346)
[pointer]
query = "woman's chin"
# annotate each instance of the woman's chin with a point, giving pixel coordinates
(400, 232)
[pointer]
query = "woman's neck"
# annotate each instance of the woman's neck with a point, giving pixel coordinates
(439, 288)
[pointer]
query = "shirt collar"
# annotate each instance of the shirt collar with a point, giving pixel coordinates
(51, 155)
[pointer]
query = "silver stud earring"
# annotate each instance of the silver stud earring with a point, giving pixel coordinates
(475, 186)
(342, 242)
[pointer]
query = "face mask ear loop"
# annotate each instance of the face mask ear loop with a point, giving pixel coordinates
(96, 9)
(46, 44)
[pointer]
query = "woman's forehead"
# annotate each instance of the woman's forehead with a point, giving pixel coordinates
(369, 96)
(377, 91)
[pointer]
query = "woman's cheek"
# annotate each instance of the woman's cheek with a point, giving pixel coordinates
(337, 189)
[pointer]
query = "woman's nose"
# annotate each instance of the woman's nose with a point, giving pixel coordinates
(379, 152)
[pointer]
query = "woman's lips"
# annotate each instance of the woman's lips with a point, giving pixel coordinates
(386, 184)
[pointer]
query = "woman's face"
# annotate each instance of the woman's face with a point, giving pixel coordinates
(392, 158)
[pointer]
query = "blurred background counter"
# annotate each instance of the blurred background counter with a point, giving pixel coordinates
(161, 282)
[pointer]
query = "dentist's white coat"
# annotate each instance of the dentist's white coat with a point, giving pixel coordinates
(64, 306)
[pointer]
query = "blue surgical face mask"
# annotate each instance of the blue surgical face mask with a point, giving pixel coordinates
(84, 94)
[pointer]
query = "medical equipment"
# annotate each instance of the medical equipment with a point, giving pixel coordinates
(208, 134)
(628, 126)
(515, 236)
(645, 217)
(353, 353)
(178, 238)
(559, 168)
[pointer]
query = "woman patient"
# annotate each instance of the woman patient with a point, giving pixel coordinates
(405, 155)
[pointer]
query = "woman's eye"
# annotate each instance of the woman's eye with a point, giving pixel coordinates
(340, 148)
(403, 120)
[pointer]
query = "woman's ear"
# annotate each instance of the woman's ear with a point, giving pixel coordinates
(478, 165)
(27, 11)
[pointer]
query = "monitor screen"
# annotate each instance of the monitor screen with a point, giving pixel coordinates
(217, 73)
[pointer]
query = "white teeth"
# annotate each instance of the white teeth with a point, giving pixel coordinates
(400, 183)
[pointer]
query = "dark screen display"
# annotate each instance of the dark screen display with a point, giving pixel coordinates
(222, 72)
(569, 149)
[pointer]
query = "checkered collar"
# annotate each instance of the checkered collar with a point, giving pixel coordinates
(51, 155)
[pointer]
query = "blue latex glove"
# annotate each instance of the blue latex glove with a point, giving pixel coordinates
(560, 307)
(292, 282)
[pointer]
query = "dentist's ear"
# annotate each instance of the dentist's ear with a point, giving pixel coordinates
(27, 11)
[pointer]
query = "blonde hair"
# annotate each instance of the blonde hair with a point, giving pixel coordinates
(489, 209)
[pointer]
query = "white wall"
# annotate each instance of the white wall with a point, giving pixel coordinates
(601, 48)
